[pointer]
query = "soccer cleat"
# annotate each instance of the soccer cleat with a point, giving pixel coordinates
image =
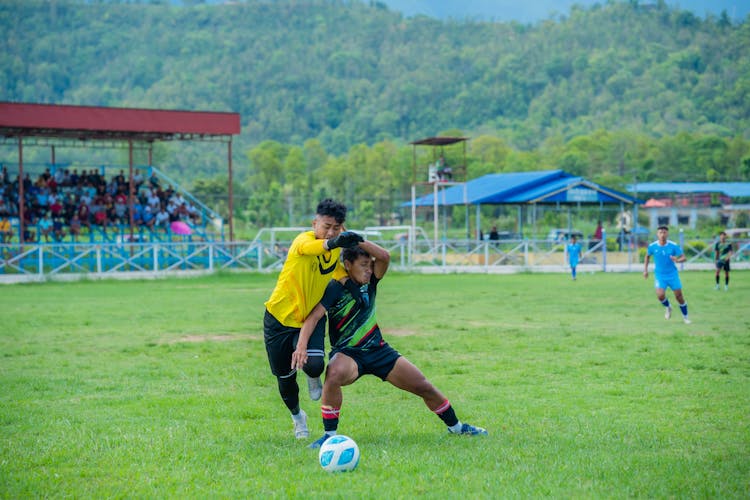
(726, 288)
(716, 287)
(319, 442)
(470, 430)
(315, 387)
(668, 313)
(686, 320)
(300, 426)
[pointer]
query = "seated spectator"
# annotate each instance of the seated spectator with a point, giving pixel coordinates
(6, 231)
(153, 200)
(154, 180)
(148, 218)
(162, 218)
(70, 206)
(75, 226)
(84, 215)
(45, 227)
(58, 229)
(494, 235)
(59, 176)
(100, 216)
(65, 179)
(4, 208)
(121, 210)
(29, 234)
(55, 207)
(138, 179)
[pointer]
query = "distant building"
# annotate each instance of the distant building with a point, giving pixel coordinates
(681, 203)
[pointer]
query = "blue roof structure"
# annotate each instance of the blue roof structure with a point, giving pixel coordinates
(544, 187)
(731, 189)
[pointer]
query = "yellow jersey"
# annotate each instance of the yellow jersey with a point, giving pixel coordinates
(308, 269)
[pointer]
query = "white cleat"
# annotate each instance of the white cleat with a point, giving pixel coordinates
(315, 387)
(668, 313)
(300, 426)
(686, 320)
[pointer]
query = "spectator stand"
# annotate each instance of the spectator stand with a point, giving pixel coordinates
(42, 125)
(206, 225)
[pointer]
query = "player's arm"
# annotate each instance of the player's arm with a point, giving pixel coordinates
(678, 258)
(299, 356)
(380, 256)
(645, 265)
(307, 244)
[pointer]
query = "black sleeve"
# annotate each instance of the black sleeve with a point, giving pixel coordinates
(332, 294)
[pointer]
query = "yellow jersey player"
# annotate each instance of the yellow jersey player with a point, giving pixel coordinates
(312, 261)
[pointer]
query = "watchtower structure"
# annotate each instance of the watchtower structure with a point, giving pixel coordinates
(444, 167)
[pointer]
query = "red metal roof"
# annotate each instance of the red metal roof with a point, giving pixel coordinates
(93, 122)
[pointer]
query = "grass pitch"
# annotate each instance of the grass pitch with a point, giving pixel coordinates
(161, 389)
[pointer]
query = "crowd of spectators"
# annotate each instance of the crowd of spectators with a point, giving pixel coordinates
(66, 201)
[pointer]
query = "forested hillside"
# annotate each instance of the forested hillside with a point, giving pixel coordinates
(615, 91)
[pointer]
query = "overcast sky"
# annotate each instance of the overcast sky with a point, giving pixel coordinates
(531, 11)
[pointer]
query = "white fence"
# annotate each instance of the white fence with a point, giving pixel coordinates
(43, 262)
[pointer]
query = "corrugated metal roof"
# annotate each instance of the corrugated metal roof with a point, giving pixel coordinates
(733, 189)
(92, 122)
(548, 186)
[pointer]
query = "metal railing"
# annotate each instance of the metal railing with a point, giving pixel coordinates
(39, 262)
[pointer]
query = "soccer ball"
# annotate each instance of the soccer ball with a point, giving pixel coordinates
(339, 454)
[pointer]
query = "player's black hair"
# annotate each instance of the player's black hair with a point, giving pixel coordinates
(666, 228)
(353, 253)
(333, 209)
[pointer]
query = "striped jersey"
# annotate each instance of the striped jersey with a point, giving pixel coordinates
(351, 315)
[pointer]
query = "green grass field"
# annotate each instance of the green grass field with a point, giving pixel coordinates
(161, 389)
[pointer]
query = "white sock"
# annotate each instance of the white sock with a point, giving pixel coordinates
(299, 417)
(455, 429)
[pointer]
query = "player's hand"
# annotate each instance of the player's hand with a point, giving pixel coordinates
(299, 358)
(347, 239)
(645, 274)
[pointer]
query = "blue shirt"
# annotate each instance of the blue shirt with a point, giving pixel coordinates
(574, 251)
(664, 267)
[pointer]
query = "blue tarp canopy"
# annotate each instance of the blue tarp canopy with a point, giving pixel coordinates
(543, 187)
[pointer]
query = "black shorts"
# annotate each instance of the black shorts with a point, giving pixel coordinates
(281, 341)
(378, 361)
(722, 264)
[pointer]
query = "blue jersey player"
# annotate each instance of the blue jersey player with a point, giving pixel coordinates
(574, 255)
(666, 254)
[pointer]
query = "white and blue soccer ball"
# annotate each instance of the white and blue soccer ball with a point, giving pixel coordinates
(339, 454)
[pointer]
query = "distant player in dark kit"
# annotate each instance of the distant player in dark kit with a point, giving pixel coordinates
(312, 261)
(357, 347)
(666, 254)
(723, 251)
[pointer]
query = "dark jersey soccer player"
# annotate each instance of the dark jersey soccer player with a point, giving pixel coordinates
(357, 347)
(666, 254)
(312, 261)
(722, 256)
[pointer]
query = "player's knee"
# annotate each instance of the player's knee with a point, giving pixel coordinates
(340, 374)
(314, 366)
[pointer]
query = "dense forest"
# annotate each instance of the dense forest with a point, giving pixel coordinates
(334, 89)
